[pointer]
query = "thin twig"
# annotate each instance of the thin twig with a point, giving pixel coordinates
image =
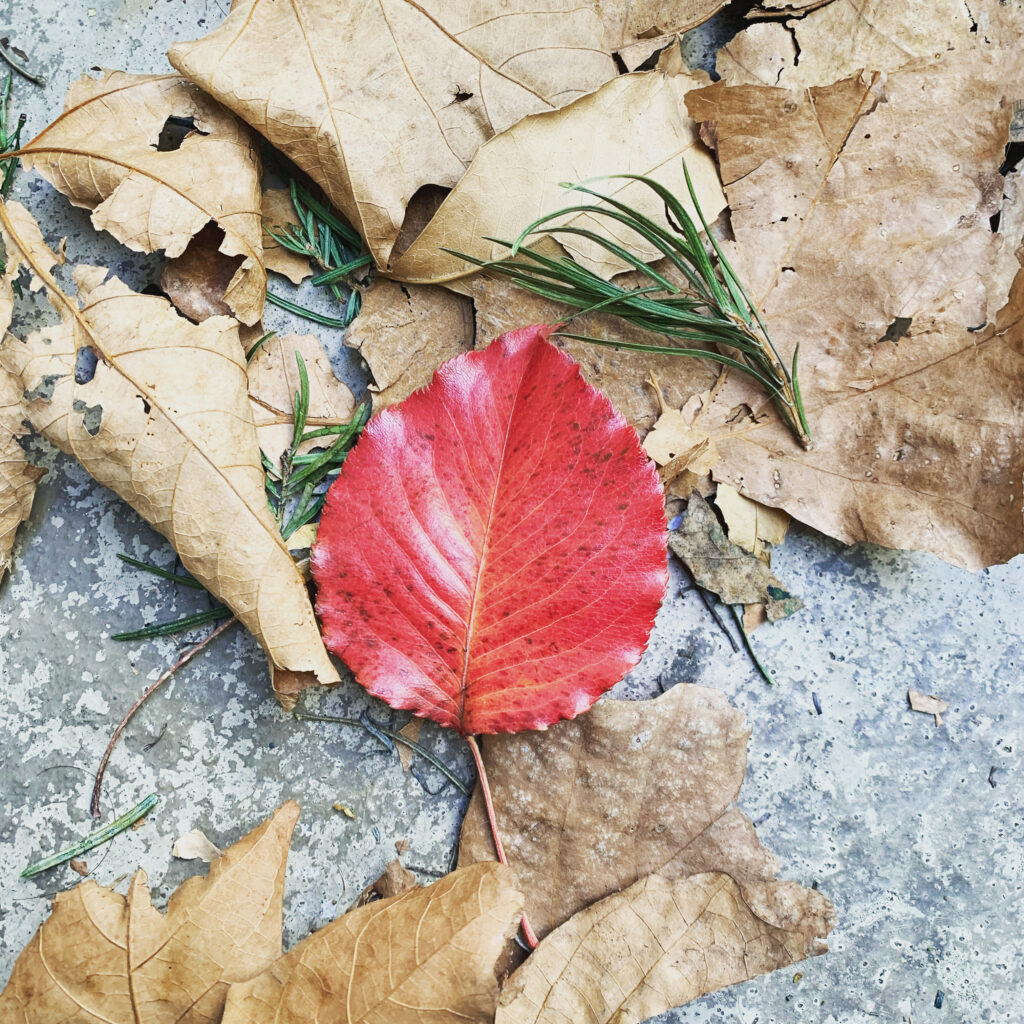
(750, 647)
(24, 72)
(94, 804)
(94, 839)
(382, 731)
(485, 789)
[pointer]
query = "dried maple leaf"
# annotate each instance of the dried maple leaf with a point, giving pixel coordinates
(426, 955)
(451, 75)
(273, 383)
(405, 332)
(632, 788)
(157, 409)
(861, 213)
(636, 124)
(103, 153)
(101, 956)
(657, 945)
(719, 565)
(492, 554)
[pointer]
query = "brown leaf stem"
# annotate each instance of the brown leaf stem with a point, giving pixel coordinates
(528, 935)
(94, 805)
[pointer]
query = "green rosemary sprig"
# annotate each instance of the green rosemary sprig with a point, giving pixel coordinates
(713, 308)
(327, 240)
(296, 492)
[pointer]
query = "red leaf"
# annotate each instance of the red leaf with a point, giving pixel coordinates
(493, 554)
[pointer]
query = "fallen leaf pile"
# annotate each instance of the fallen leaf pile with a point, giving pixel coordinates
(216, 953)
(634, 862)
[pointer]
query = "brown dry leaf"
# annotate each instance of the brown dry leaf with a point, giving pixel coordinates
(426, 955)
(656, 946)
(405, 332)
(102, 154)
(631, 788)
(165, 421)
(80, 867)
(273, 382)
(395, 880)
(754, 527)
(194, 845)
(840, 38)
(411, 730)
(277, 213)
(635, 124)
(101, 956)
(861, 213)
(408, 98)
(928, 704)
(735, 575)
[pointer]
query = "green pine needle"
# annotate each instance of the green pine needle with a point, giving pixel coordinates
(332, 245)
(713, 309)
(9, 141)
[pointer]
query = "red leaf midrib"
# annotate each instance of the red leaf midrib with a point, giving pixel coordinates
(474, 601)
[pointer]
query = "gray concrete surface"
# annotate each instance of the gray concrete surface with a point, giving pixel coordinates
(914, 831)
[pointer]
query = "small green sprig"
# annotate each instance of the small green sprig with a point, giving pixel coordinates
(296, 492)
(327, 240)
(10, 141)
(713, 308)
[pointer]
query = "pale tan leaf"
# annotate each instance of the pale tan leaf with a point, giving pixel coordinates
(839, 38)
(754, 527)
(405, 332)
(374, 102)
(104, 958)
(18, 478)
(632, 788)
(277, 213)
(658, 945)
(636, 124)
(411, 730)
(928, 704)
(102, 154)
(426, 955)
(273, 383)
(194, 845)
(165, 421)
(861, 213)
(634, 29)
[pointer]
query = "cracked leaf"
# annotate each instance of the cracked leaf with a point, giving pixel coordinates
(735, 575)
(630, 789)
(103, 154)
(861, 213)
(839, 38)
(273, 382)
(101, 956)
(405, 332)
(754, 527)
(425, 955)
(634, 29)
(165, 421)
(635, 124)
(658, 945)
(451, 75)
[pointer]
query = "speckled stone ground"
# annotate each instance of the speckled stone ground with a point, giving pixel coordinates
(914, 831)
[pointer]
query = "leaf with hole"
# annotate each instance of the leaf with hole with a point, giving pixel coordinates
(492, 555)
(162, 166)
